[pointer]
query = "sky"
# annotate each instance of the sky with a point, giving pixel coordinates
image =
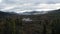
(28, 5)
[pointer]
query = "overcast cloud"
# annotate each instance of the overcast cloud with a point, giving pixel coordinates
(29, 5)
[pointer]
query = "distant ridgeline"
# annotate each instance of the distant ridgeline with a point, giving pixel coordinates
(13, 23)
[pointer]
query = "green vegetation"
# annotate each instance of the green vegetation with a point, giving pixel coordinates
(47, 24)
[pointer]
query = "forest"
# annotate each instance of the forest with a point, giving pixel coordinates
(48, 23)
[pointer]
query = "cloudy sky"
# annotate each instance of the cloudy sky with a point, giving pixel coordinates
(29, 5)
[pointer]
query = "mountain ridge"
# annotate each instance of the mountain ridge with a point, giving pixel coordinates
(31, 13)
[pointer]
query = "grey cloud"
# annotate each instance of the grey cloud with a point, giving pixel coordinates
(30, 1)
(19, 2)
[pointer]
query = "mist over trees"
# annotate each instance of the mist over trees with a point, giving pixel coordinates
(42, 24)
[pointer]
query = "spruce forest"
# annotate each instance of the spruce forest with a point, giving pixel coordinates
(48, 23)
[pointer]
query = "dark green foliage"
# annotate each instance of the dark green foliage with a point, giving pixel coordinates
(43, 24)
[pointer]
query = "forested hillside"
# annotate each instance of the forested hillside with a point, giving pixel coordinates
(48, 23)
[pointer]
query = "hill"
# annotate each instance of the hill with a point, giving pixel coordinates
(48, 23)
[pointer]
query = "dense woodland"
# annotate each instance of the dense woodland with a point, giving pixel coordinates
(48, 23)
